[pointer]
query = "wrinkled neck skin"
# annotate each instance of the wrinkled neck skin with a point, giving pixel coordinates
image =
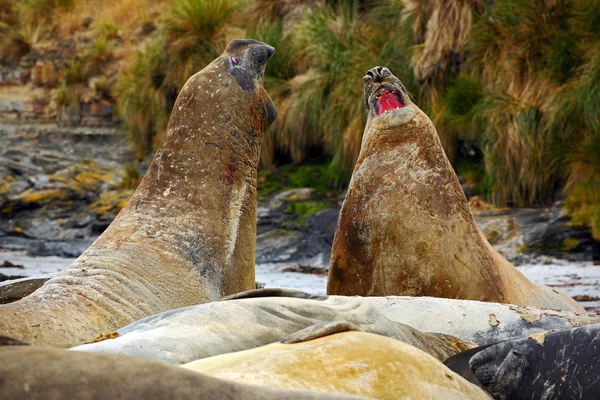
(187, 235)
(198, 198)
(405, 227)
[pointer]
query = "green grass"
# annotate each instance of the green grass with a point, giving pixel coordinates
(301, 211)
(131, 179)
(292, 177)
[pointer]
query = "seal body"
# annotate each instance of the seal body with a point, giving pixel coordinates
(55, 374)
(545, 365)
(405, 227)
(187, 235)
(448, 327)
(356, 363)
(191, 333)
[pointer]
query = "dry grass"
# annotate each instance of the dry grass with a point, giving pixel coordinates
(441, 29)
(127, 15)
(518, 78)
(13, 45)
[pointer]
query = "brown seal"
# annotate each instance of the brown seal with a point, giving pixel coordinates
(405, 227)
(187, 235)
(55, 374)
(347, 361)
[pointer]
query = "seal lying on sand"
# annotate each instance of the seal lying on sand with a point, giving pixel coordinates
(356, 363)
(405, 227)
(210, 329)
(205, 330)
(54, 374)
(547, 365)
(188, 233)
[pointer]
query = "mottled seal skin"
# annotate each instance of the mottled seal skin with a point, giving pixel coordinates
(187, 235)
(405, 227)
(54, 374)
(205, 330)
(549, 365)
(448, 327)
(356, 363)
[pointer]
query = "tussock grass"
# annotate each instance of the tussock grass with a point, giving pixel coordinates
(519, 79)
(141, 102)
(13, 45)
(191, 35)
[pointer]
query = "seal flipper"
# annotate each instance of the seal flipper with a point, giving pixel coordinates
(459, 363)
(319, 330)
(273, 292)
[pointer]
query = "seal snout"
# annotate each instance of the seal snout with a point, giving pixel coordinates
(377, 74)
(246, 60)
(258, 55)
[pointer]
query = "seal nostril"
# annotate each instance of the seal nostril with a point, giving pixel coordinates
(375, 73)
(369, 73)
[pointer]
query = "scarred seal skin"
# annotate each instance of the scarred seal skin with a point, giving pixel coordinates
(405, 227)
(187, 235)
(545, 365)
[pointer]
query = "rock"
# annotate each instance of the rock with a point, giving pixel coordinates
(497, 226)
(293, 195)
(305, 269)
(556, 237)
(44, 74)
(9, 277)
(8, 264)
(72, 248)
(29, 60)
(16, 289)
(310, 244)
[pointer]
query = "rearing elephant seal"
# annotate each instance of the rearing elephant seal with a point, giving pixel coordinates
(405, 227)
(187, 235)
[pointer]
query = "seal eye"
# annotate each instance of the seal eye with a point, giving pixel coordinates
(234, 60)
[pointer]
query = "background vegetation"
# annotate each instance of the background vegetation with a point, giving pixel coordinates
(513, 86)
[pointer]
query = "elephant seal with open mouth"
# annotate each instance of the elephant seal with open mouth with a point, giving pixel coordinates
(405, 227)
(187, 235)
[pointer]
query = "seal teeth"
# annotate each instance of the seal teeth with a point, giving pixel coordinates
(386, 91)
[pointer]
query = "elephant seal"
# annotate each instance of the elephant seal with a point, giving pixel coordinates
(205, 330)
(557, 365)
(405, 227)
(55, 374)
(187, 235)
(351, 362)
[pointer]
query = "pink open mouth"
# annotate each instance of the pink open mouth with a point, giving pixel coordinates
(387, 100)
